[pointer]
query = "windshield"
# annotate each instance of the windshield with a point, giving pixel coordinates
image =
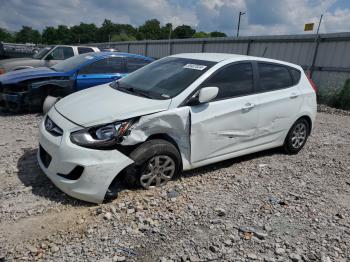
(72, 62)
(165, 78)
(42, 53)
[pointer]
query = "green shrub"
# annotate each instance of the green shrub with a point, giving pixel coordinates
(338, 98)
(343, 97)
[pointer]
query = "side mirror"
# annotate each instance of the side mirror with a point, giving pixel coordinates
(206, 94)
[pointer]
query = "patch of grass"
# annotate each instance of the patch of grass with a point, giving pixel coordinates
(343, 98)
(338, 98)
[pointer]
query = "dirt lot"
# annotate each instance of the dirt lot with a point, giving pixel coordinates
(267, 206)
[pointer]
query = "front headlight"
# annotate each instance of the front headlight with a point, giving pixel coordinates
(102, 136)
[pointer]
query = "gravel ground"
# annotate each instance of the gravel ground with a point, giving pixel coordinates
(265, 207)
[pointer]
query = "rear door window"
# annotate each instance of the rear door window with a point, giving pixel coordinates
(273, 77)
(83, 50)
(233, 80)
(132, 64)
(62, 53)
(108, 65)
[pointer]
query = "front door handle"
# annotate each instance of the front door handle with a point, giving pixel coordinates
(293, 95)
(248, 106)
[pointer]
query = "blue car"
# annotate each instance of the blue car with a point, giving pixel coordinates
(27, 89)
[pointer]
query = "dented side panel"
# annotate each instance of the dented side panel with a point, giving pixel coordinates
(277, 112)
(174, 123)
(223, 127)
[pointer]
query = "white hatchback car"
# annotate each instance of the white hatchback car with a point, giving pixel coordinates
(178, 113)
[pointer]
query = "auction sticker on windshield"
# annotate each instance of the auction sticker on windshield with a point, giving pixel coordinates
(195, 67)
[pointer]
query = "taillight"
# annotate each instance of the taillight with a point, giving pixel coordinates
(312, 83)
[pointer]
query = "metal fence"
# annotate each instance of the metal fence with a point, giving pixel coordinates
(328, 56)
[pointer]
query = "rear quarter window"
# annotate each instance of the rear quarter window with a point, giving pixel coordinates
(296, 75)
(83, 50)
(273, 77)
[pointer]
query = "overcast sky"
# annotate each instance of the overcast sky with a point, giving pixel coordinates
(262, 16)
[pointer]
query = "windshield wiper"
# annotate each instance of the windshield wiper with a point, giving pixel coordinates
(133, 90)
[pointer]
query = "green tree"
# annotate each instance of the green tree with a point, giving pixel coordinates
(184, 31)
(104, 32)
(122, 37)
(83, 33)
(6, 36)
(165, 31)
(28, 35)
(63, 35)
(217, 34)
(49, 35)
(108, 29)
(150, 29)
(201, 35)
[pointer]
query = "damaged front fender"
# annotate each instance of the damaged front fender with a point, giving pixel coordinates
(174, 123)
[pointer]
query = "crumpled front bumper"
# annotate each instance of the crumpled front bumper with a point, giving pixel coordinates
(99, 167)
(12, 101)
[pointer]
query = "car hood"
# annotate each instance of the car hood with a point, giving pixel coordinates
(11, 63)
(104, 104)
(27, 74)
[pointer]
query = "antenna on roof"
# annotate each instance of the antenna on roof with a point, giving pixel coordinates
(263, 55)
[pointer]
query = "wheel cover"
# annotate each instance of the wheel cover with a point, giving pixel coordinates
(158, 171)
(299, 135)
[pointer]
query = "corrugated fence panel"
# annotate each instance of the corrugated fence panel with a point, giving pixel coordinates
(226, 47)
(121, 47)
(295, 52)
(334, 54)
(332, 64)
(186, 48)
(330, 80)
(158, 50)
(139, 49)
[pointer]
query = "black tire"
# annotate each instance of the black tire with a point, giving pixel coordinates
(290, 145)
(145, 153)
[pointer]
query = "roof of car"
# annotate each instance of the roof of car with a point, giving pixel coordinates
(105, 54)
(218, 57)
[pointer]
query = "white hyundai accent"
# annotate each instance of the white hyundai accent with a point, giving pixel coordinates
(178, 113)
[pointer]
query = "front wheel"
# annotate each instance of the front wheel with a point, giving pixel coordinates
(296, 137)
(156, 162)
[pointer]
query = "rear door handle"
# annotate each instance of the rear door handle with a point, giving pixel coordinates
(248, 106)
(293, 95)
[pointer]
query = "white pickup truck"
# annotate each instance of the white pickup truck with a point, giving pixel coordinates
(46, 57)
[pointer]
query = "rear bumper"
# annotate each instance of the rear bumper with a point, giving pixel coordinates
(97, 168)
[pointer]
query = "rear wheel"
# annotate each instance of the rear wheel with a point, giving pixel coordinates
(297, 136)
(156, 162)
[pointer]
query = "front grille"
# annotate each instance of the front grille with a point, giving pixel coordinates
(15, 88)
(74, 174)
(52, 128)
(44, 157)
